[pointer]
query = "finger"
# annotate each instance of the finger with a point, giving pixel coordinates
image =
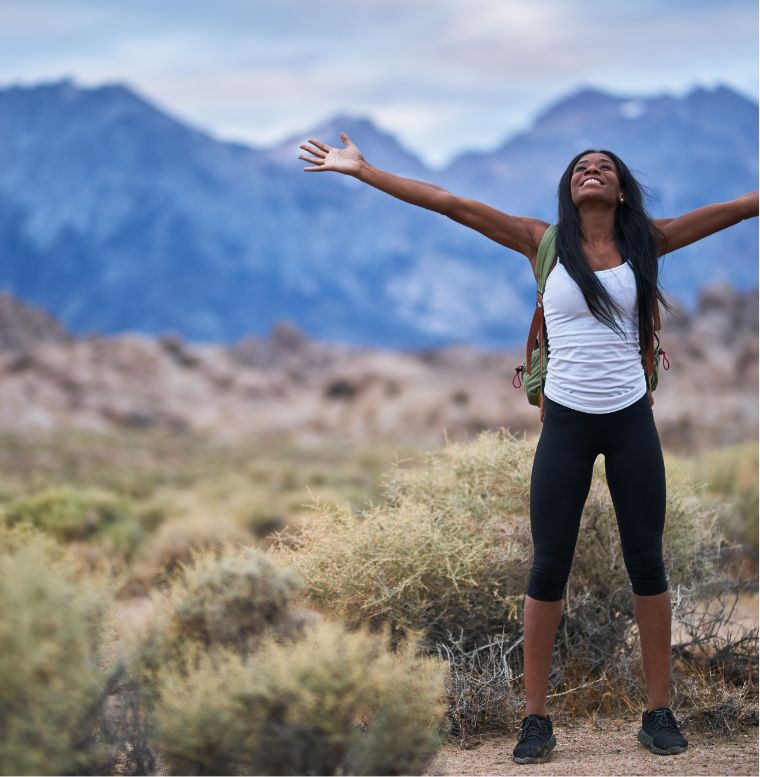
(344, 137)
(314, 151)
(320, 144)
(311, 159)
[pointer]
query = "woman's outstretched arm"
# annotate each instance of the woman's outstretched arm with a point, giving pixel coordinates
(521, 234)
(705, 221)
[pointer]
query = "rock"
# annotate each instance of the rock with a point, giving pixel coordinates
(174, 345)
(22, 326)
(287, 336)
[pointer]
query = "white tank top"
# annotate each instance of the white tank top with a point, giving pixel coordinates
(591, 368)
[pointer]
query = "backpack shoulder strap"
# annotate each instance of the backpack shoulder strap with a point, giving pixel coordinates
(547, 255)
(545, 260)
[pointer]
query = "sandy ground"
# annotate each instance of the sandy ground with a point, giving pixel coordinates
(609, 748)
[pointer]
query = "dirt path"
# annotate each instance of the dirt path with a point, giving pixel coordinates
(611, 749)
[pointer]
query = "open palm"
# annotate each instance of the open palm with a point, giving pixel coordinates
(326, 157)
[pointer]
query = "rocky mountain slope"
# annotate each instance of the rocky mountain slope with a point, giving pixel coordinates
(118, 217)
(288, 385)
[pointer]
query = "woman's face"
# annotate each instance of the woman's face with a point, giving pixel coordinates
(594, 178)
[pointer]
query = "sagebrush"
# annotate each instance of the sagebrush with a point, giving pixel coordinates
(334, 702)
(80, 515)
(54, 672)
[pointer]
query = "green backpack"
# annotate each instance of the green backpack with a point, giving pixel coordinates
(533, 377)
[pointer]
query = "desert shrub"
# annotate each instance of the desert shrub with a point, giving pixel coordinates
(53, 673)
(230, 598)
(708, 702)
(222, 599)
(730, 474)
(231, 499)
(16, 538)
(261, 508)
(430, 556)
(71, 514)
(174, 543)
(152, 511)
(334, 702)
(447, 552)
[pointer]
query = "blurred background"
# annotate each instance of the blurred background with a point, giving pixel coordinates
(151, 192)
(202, 346)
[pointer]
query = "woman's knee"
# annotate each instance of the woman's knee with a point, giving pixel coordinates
(548, 578)
(646, 571)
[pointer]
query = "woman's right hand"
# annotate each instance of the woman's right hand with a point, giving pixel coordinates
(341, 160)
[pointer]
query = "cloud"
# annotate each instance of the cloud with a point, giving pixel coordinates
(441, 74)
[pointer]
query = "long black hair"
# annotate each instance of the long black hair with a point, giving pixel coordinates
(635, 237)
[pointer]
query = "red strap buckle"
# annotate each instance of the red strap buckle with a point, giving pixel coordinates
(518, 376)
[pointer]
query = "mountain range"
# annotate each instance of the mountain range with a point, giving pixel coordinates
(116, 216)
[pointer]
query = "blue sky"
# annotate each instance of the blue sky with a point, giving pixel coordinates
(442, 75)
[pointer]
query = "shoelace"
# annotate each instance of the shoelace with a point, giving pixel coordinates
(663, 718)
(533, 727)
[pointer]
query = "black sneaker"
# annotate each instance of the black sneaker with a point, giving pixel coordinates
(536, 740)
(659, 732)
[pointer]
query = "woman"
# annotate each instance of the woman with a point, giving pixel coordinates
(598, 306)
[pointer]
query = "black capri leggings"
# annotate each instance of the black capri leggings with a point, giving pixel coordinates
(567, 448)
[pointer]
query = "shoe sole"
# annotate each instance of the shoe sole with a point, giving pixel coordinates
(537, 759)
(648, 742)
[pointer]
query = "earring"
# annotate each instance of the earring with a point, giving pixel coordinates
(620, 197)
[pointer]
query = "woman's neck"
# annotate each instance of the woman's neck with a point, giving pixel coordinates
(598, 228)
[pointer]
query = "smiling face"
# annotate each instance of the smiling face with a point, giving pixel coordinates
(594, 178)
